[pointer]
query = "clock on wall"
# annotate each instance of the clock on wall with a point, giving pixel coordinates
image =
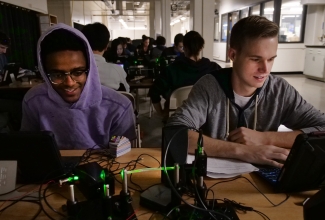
(173, 7)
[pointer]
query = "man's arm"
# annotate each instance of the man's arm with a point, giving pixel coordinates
(247, 136)
(259, 154)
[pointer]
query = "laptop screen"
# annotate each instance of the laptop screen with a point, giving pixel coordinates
(37, 155)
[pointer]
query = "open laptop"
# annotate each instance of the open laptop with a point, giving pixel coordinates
(37, 155)
(9, 73)
(304, 168)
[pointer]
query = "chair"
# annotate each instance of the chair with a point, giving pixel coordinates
(177, 97)
(135, 143)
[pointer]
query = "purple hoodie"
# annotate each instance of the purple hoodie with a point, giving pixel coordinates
(99, 113)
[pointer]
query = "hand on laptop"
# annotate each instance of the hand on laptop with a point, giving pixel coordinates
(247, 136)
(264, 154)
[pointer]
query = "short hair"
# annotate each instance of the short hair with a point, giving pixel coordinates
(62, 40)
(193, 43)
(123, 40)
(97, 35)
(178, 38)
(252, 28)
(160, 40)
(4, 39)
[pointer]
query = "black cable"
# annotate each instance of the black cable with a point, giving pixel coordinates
(172, 186)
(238, 177)
(13, 190)
(48, 205)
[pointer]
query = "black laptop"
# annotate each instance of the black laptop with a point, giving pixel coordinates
(304, 168)
(37, 155)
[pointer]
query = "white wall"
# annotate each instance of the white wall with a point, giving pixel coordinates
(219, 51)
(35, 5)
(133, 34)
(290, 58)
(314, 24)
(181, 27)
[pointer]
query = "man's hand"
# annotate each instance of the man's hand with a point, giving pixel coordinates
(263, 154)
(247, 136)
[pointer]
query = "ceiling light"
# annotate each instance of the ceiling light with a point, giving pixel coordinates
(183, 18)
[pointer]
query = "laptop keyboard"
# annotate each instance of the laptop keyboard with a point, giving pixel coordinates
(270, 174)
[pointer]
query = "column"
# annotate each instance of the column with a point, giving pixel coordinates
(61, 9)
(152, 19)
(165, 24)
(202, 21)
(158, 19)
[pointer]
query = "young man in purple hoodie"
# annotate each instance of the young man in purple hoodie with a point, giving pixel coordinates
(72, 103)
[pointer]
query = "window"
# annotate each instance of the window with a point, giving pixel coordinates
(256, 10)
(216, 28)
(268, 10)
(244, 13)
(224, 27)
(291, 21)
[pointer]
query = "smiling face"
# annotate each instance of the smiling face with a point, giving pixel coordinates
(252, 65)
(67, 61)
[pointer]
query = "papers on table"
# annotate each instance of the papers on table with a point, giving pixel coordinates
(225, 168)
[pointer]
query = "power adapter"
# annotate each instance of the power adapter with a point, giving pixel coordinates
(157, 198)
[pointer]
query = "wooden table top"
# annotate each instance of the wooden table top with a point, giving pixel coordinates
(239, 190)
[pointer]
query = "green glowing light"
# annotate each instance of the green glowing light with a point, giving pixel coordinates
(103, 175)
(73, 178)
(105, 189)
(150, 169)
(122, 174)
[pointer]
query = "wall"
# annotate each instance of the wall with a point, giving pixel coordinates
(314, 24)
(290, 57)
(133, 34)
(180, 27)
(35, 5)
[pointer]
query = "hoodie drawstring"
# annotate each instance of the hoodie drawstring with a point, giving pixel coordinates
(227, 116)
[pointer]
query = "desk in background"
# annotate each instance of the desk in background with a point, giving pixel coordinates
(145, 83)
(239, 190)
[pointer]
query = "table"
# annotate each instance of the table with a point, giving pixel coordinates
(239, 190)
(145, 83)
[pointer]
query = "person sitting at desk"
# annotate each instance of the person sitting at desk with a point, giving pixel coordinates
(177, 49)
(4, 44)
(239, 109)
(160, 46)
(111, 75)
(72, 103)
(144, 50)
(184, 71)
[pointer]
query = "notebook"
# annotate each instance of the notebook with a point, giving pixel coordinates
(304, 168)
(37, 155)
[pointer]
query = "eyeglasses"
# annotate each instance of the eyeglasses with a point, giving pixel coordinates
(59, 77)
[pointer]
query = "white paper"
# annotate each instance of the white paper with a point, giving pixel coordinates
(225, 168)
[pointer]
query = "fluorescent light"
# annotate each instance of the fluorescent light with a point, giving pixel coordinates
(176, 21)
(268, 9)
(183, 18)
(140, 11)
(290, 4)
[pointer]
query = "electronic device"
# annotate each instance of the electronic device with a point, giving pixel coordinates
(314, 206)
(307, 154)
(37, 155)
(9, 73)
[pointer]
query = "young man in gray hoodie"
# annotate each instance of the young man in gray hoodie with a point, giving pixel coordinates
(239, 109)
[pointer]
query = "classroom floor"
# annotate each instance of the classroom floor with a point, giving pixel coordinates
(311, 90)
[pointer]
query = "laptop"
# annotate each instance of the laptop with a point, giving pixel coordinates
(37, 155)
(304, 168)
(9, 73)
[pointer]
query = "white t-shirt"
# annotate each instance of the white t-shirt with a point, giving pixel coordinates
(241, 100)
(110, 74)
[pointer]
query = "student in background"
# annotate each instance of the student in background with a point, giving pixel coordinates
(72, 103)
(177, 49)
(111, 75)
(185, 71)
(240, 109)
(160, 46)
(4, 44)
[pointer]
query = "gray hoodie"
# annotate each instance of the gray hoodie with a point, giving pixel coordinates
(211, 106)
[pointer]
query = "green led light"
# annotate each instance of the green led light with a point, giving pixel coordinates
(150, 169)
(122, 174)
(105, 189)
(72, 178)
(135, 62)
(103, 175)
